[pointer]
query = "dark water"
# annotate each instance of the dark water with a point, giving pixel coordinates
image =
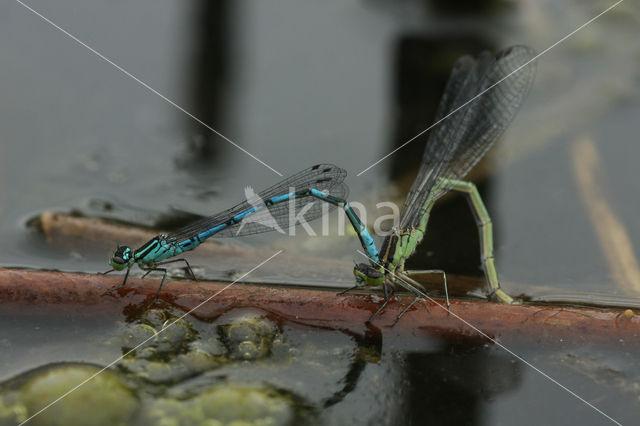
(300, 83)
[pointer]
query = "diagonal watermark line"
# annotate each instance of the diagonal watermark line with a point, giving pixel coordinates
(146, 340)
(142, 83)
(492, 86)
(495, 342)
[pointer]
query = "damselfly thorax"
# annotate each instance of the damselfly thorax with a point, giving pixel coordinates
(397, 247)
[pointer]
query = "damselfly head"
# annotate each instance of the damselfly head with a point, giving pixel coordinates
(367, 275)
(122, 258)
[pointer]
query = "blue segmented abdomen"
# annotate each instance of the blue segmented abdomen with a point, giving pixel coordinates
(363, 235)
(159, 248)
(194, 242)
(278, 199)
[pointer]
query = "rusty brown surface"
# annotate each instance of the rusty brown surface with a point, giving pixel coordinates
(55, 292)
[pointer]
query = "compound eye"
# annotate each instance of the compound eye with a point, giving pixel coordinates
(361, 267)
(368, 270)
(374, 273)
(118, 260)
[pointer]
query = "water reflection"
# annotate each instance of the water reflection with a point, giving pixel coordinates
(456, 384)
(212, 76)
(250, 364)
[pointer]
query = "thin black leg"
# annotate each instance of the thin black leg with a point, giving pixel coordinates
(178, 260)
(386, 300)
(121, 285)
(164, 277)
(347, 290)
(431, 271)
(405, 310)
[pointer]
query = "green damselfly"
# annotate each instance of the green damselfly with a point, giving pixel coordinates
(481, 98)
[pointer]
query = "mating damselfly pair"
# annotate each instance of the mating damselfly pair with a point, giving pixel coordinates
(481, 98)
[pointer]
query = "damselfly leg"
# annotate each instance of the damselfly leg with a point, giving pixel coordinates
(164, 277)
(347, 290)
(124, 281)
(193, 276)
(387, 293)
(407, 274)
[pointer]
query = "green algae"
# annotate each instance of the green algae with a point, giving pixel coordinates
(227, 405)
(88, 404)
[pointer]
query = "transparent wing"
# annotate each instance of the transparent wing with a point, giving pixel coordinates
(464, 137)
(323, 177)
